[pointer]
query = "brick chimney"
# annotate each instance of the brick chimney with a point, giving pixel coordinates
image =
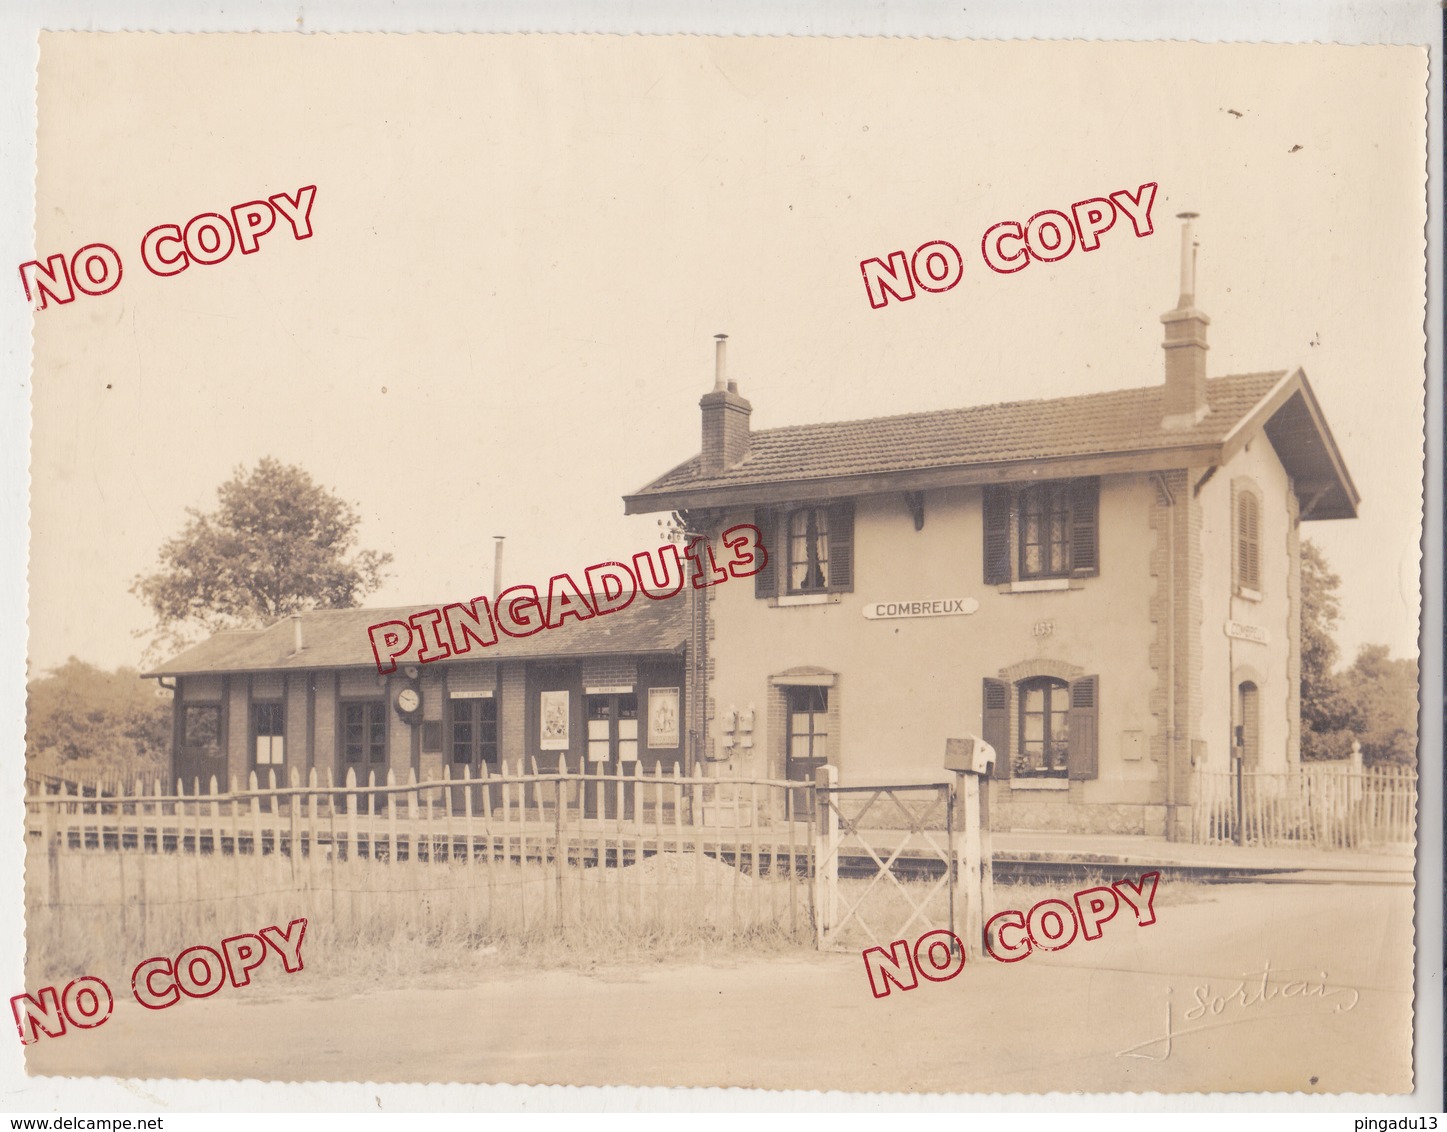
(725, 418)
(1185, 344)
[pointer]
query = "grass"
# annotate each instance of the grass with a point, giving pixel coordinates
(101, 913)
(886, 907)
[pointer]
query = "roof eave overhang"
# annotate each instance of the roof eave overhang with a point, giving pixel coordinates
(659, 650)
(921, 479)
(1333, 496)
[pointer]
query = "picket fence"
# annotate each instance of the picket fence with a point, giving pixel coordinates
(480, 854)
(1318, 806)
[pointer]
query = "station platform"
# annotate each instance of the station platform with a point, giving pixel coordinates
(1026, 853)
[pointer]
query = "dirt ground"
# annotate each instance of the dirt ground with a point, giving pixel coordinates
(1334, 962)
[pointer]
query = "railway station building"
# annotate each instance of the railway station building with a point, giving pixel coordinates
(1106, 587)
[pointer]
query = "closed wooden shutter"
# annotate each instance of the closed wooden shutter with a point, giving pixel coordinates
(1085, 527)
(995, 724)
(766, 581)
(1248, 540)
(841, 548)
(997, 535)
(1083, 759)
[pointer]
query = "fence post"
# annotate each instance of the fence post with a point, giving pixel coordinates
(968, 852)
(559, 853)
(51, 831)
(294, 807)
(826, 854)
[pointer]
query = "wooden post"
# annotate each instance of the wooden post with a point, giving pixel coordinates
(793, 871)
(294, 813)
(560, 854)
(968, 852)
(447, 828)
(696, 813)
(826, 855)
(142, 906)
(639, 790)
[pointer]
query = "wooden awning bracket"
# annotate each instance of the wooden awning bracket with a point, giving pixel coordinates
(914, 500)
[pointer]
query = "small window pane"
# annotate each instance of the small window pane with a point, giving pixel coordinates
(1044, 727)
(201, 726)
(809, 550)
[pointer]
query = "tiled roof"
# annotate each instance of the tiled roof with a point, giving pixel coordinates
(337, 638)
(1089, 424)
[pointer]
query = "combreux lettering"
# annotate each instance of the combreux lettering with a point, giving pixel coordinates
(919, 608)
(520, 611)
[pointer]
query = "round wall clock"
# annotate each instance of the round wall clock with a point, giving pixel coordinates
(408, 703)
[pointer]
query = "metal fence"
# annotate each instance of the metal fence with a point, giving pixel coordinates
(895, 861)
(1321, 807)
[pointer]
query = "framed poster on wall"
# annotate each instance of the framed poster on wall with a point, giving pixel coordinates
(662, 717)
(554, 721)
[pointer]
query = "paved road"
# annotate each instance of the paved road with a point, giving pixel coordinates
(1336, 1015)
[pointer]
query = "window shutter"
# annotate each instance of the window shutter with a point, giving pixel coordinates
(1083, 759)
(841, 548)
(766, 581)
(1248, 539)
(1253, 541)
(1238, 558)
(1085, 527)
(997, 535)
(995, 723)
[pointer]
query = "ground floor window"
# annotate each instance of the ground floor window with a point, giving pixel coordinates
(474, 731)
(1044, 748)
(613, 729)
(267, 724)
(1042, 726)
(201, 729)
(364, 732)
(807, 740)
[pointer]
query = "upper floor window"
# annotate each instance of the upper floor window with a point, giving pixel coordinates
(810, 547)
(809, 550)
(1248, 539)
(1042, 530)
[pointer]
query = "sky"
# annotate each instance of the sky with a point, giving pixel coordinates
(522, 247)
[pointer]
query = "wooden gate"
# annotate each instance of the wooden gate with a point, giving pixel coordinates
(894, 861)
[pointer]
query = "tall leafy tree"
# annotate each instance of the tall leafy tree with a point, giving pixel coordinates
(1374, 701)
(1325, 713)
(82, 723)
(275, 544)
(1382, 691)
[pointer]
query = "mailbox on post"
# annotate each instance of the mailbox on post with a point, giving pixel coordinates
(970, 755)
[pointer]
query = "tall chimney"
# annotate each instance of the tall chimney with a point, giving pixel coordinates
(296, 633)
(496, 566)
(1185, 343)
(725, 417)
